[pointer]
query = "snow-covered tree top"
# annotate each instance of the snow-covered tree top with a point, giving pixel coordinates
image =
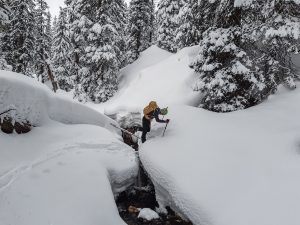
(238, 3)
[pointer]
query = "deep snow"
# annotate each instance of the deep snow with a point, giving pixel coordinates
(37, 104)
(59, 173)
(156, 75)
(239, 168)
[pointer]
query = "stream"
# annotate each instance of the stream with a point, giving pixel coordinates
(142, 194)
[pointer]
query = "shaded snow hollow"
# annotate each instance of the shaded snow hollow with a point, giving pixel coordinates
(59, 173)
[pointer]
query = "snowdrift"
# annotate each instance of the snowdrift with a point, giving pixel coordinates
(240, 168)
(37, 104)
(68, 168)
(63, 174)
(156, 75)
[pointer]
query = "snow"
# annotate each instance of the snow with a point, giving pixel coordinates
(156, 75)
(148, 214)
(60, 173)
(37, 104)
(239, 168)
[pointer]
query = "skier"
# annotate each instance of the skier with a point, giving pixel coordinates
(150, 112)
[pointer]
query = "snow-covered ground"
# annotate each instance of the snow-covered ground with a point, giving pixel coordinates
(156, 75)
(240, 168)
(59, 173)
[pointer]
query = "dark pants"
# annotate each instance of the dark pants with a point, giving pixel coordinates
(146, 128)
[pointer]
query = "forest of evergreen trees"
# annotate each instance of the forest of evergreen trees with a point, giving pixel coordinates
(246, 46)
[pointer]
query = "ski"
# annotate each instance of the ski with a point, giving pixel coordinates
(125, 131)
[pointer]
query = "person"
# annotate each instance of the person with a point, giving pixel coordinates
(152, 111)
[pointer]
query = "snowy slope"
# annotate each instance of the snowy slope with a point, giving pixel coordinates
(241, 168)
(59, 173)
(156, 75)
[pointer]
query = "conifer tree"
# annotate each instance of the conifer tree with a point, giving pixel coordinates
(271, 36)
(96, 34)
(20, 37)
(78, 24)
(4, 19)
(4, 14)
(101, 65)
(227, 74)
(191, 24)
(281, 38)
(167, 16)
(61, 48)
(140, 28)
(43, 39)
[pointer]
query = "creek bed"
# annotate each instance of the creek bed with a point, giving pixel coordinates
(143, 196)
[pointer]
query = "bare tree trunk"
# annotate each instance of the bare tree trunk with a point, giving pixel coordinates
(51, 77)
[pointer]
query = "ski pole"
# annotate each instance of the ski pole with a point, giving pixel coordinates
(165, 129)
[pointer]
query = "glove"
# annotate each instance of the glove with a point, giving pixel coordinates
(167, 121)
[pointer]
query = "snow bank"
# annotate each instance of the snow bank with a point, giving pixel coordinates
(241, 168)
(37, 104)
(67, 170)
(63, 174)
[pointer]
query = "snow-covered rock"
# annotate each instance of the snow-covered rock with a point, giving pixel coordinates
(148, 214)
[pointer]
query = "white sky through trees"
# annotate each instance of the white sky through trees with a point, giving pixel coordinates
(55, 4)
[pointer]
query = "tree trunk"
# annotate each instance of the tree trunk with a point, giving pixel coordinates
(51, 77)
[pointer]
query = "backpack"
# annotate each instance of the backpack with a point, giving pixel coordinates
(150, 108)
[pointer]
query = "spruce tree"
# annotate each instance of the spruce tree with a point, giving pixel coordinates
(4, 20)
(228, 76)
(61, 48)
(79, 25)
(43, 39)
(101, 65)
(4, 14)
(271, 36)
(97, 31)
(191, 24)
(20, 37)
(140, 28)
(167, 16)
(49, 34)
(281, 38)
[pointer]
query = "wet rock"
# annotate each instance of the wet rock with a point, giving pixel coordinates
(132, 209)
(7, 126)
(22, 128)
